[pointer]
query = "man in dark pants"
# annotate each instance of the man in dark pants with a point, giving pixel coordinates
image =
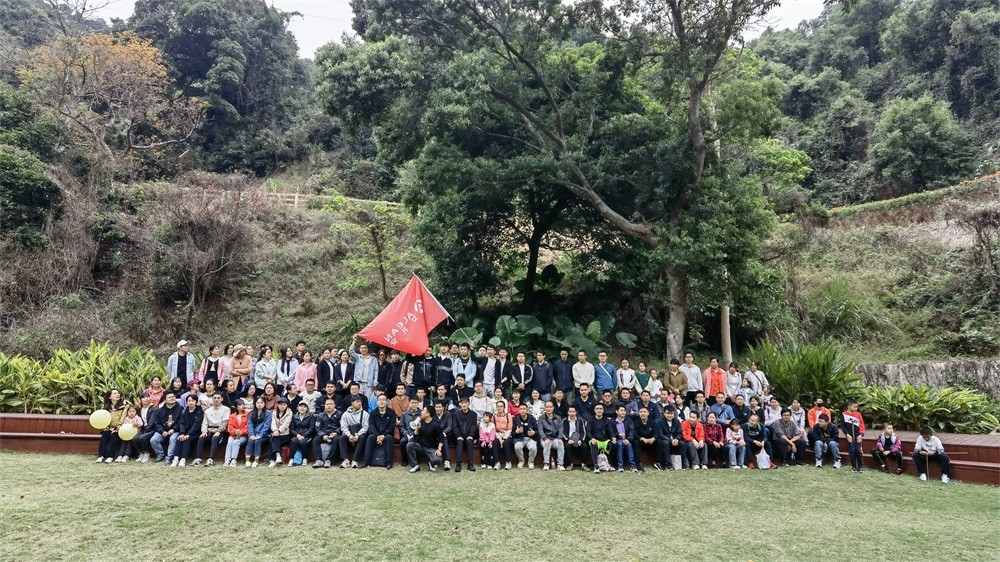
(327, 431)
(575, 432)
(601, 429)
(353, 427)
(668, 436)
(381, 425)
(465, 425)
(427, 442)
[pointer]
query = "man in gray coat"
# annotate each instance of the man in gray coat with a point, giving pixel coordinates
(550, 433)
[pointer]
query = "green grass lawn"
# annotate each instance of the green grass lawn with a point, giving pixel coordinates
(66, 507)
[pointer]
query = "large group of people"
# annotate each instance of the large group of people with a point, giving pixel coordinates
(354, 406)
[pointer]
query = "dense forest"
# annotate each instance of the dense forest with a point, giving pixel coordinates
(639, 162)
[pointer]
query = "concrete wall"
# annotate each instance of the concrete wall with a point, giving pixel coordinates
(983, 375)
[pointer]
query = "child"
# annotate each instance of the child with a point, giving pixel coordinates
(766, 395)
(654, 386)
(736, 444)
(746, 391)
(853, 426)
(927, 448)
(131, 417)
(488, 443)
(888, 443)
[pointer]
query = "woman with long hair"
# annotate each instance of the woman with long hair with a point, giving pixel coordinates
(213, 368)
(155, 391)
(237, 429)
(110, 443)
(305, 371)
(287, 365)
(266, 369)
(270, 396)
(281, 425)
(503, 423)
(258, 429)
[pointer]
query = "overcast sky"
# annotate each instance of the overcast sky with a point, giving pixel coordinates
(323, 21)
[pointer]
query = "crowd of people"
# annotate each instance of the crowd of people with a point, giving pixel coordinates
(353, 406)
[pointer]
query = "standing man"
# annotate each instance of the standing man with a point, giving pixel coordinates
(675, 380)
(583, 373)
(444, 367)
(465, 424)
(300, 349)
(465, 365)
(523, 376)
(604, 375)
(490, 371)
(365, 367)
(542, 371)
(694, 379)
(562, 375)
(180, 365)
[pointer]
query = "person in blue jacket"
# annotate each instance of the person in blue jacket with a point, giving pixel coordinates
(258, 431)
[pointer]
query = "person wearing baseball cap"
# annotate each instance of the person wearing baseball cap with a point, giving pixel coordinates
(180, 365)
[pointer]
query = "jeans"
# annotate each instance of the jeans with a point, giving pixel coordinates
(529, 444)
(547, 451)
(737, 455)
(783, 450)
(942, 459)
(663, 452)
(255, 447)
(156, 442)
(416, 451)
(833, 447)
(184, 446)
(621, 449)
(301, 446)
(276, 444)
(142, 442)
(233, 447)
(210, 438)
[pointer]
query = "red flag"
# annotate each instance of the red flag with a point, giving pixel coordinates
(406, 322)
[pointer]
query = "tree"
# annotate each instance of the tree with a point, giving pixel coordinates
(112, 94)
(27, 197)
(919, 144)
(511, 52)
(240, 58)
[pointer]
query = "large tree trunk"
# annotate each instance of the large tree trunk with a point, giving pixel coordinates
(677, 321)
(528, 298)
(727, 338)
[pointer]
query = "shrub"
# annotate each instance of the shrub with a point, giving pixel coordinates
(527, 333)
(799, 371)
(954, 410)
(74, 382)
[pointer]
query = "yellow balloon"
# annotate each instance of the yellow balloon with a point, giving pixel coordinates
(100, 419)
(127, 431)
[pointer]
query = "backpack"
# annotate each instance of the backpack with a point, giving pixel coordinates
(602, 463)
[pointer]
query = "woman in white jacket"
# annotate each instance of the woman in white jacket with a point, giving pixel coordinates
(281, 425)
(627, 379)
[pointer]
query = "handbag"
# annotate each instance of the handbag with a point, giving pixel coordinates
(677, 462)
(763, 460)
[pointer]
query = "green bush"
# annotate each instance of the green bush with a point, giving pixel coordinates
(527, 333)
(74, 382)
(953, 410)
(799, 371)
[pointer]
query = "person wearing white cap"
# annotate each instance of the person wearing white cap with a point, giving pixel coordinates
(181, 364)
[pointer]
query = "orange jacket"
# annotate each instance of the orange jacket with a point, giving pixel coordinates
(715, 382)
(238, 423)
(812, 416)
(699, 431)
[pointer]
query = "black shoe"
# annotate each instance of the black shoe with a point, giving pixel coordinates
(471, 467)
(363, 465)
(388, 466)
(458, 467)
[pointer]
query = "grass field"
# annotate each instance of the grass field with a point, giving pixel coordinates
(66, 507)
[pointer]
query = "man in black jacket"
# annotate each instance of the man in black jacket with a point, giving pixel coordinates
(166, 422)
(444, 368)
(302, 430)
(327, 431)
(466, 430)
(445, 421)
(601, 429)
(644, 436)
(423, 372)
(381, 425)
(741, 411)
(189, 430)
(330, 393)
(427, 442)
(668, 437)
(562, 375)
(345, 404)
(461, 390)
(585, 402)
(575, 432)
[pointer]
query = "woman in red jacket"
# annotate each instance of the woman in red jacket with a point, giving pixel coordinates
(237, 433)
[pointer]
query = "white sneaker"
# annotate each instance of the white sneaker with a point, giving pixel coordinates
(416, 468)
(121, 459)
(431, 467)
(248, 464)
(272, 464)
(109, 460)
(507, 466)
(253, 464)
(520, 464)
(945, 479)
(355, 464)
(545, 467)
(290, 463)
(209, 462)
(196, 462)
(561, 467)
(836, 464)
(482, 466)
(696, 467)
(345, 464)
(923, 477)
(447, 465)
(496, 466)
(175, 462)
(183, 462)
(819, 464)
(100, 460)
